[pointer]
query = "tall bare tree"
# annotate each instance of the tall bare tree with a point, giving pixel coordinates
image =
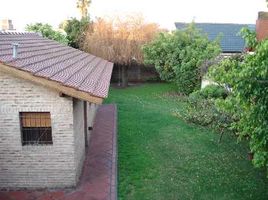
(120, 40)
(83, 6)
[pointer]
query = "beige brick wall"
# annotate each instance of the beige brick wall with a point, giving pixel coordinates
(56, 165)
(91, 112)
(79, 135)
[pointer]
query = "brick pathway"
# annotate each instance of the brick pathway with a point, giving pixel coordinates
(98, 180)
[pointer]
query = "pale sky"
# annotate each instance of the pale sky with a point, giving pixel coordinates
(163, 12)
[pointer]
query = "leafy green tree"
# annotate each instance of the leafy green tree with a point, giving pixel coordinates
(247, 79)
(75, 30)
(47, 31)
(250, 38)
(178, 56)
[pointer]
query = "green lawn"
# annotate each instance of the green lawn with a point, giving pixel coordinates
(162, 157)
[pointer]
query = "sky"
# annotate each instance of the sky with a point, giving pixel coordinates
(163, 12)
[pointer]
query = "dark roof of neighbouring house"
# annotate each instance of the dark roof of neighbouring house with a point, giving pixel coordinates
(56, 62)
(230, 41)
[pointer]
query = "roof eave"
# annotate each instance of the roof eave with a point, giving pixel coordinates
(228, 51)
(50, 84)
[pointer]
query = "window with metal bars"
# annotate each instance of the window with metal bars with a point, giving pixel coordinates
(35, 128)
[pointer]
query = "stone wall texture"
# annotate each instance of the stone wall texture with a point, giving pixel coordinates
(79, 136)
(39, 166)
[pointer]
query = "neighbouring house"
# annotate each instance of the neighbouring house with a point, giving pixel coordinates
(231, 42)
(6, 25)
(262, 26)
(49, 93)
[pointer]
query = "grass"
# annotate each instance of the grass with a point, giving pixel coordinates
(163, 158)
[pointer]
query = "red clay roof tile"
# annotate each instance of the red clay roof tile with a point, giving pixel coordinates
(49, 59)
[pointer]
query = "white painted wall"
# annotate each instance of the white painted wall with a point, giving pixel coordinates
(205, 82)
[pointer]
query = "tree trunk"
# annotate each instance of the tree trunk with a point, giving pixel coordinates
(139, 71)
(124, 76)
(119, 75)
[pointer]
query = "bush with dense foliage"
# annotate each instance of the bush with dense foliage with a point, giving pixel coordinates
(248, 101)
(212, 92)
(201, 109)
(75, 30)
(178, 56)
(47, 31)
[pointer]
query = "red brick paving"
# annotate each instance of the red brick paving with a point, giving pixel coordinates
(99, 177)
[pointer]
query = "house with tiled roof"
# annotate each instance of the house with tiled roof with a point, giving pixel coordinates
(231, 41)
(49, 93)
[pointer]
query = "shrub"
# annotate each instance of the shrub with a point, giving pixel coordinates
(199, 110)
(47, 31)
(178, 56)
(212, 92)
(75, 30)
(205, 112)
(249, 82)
